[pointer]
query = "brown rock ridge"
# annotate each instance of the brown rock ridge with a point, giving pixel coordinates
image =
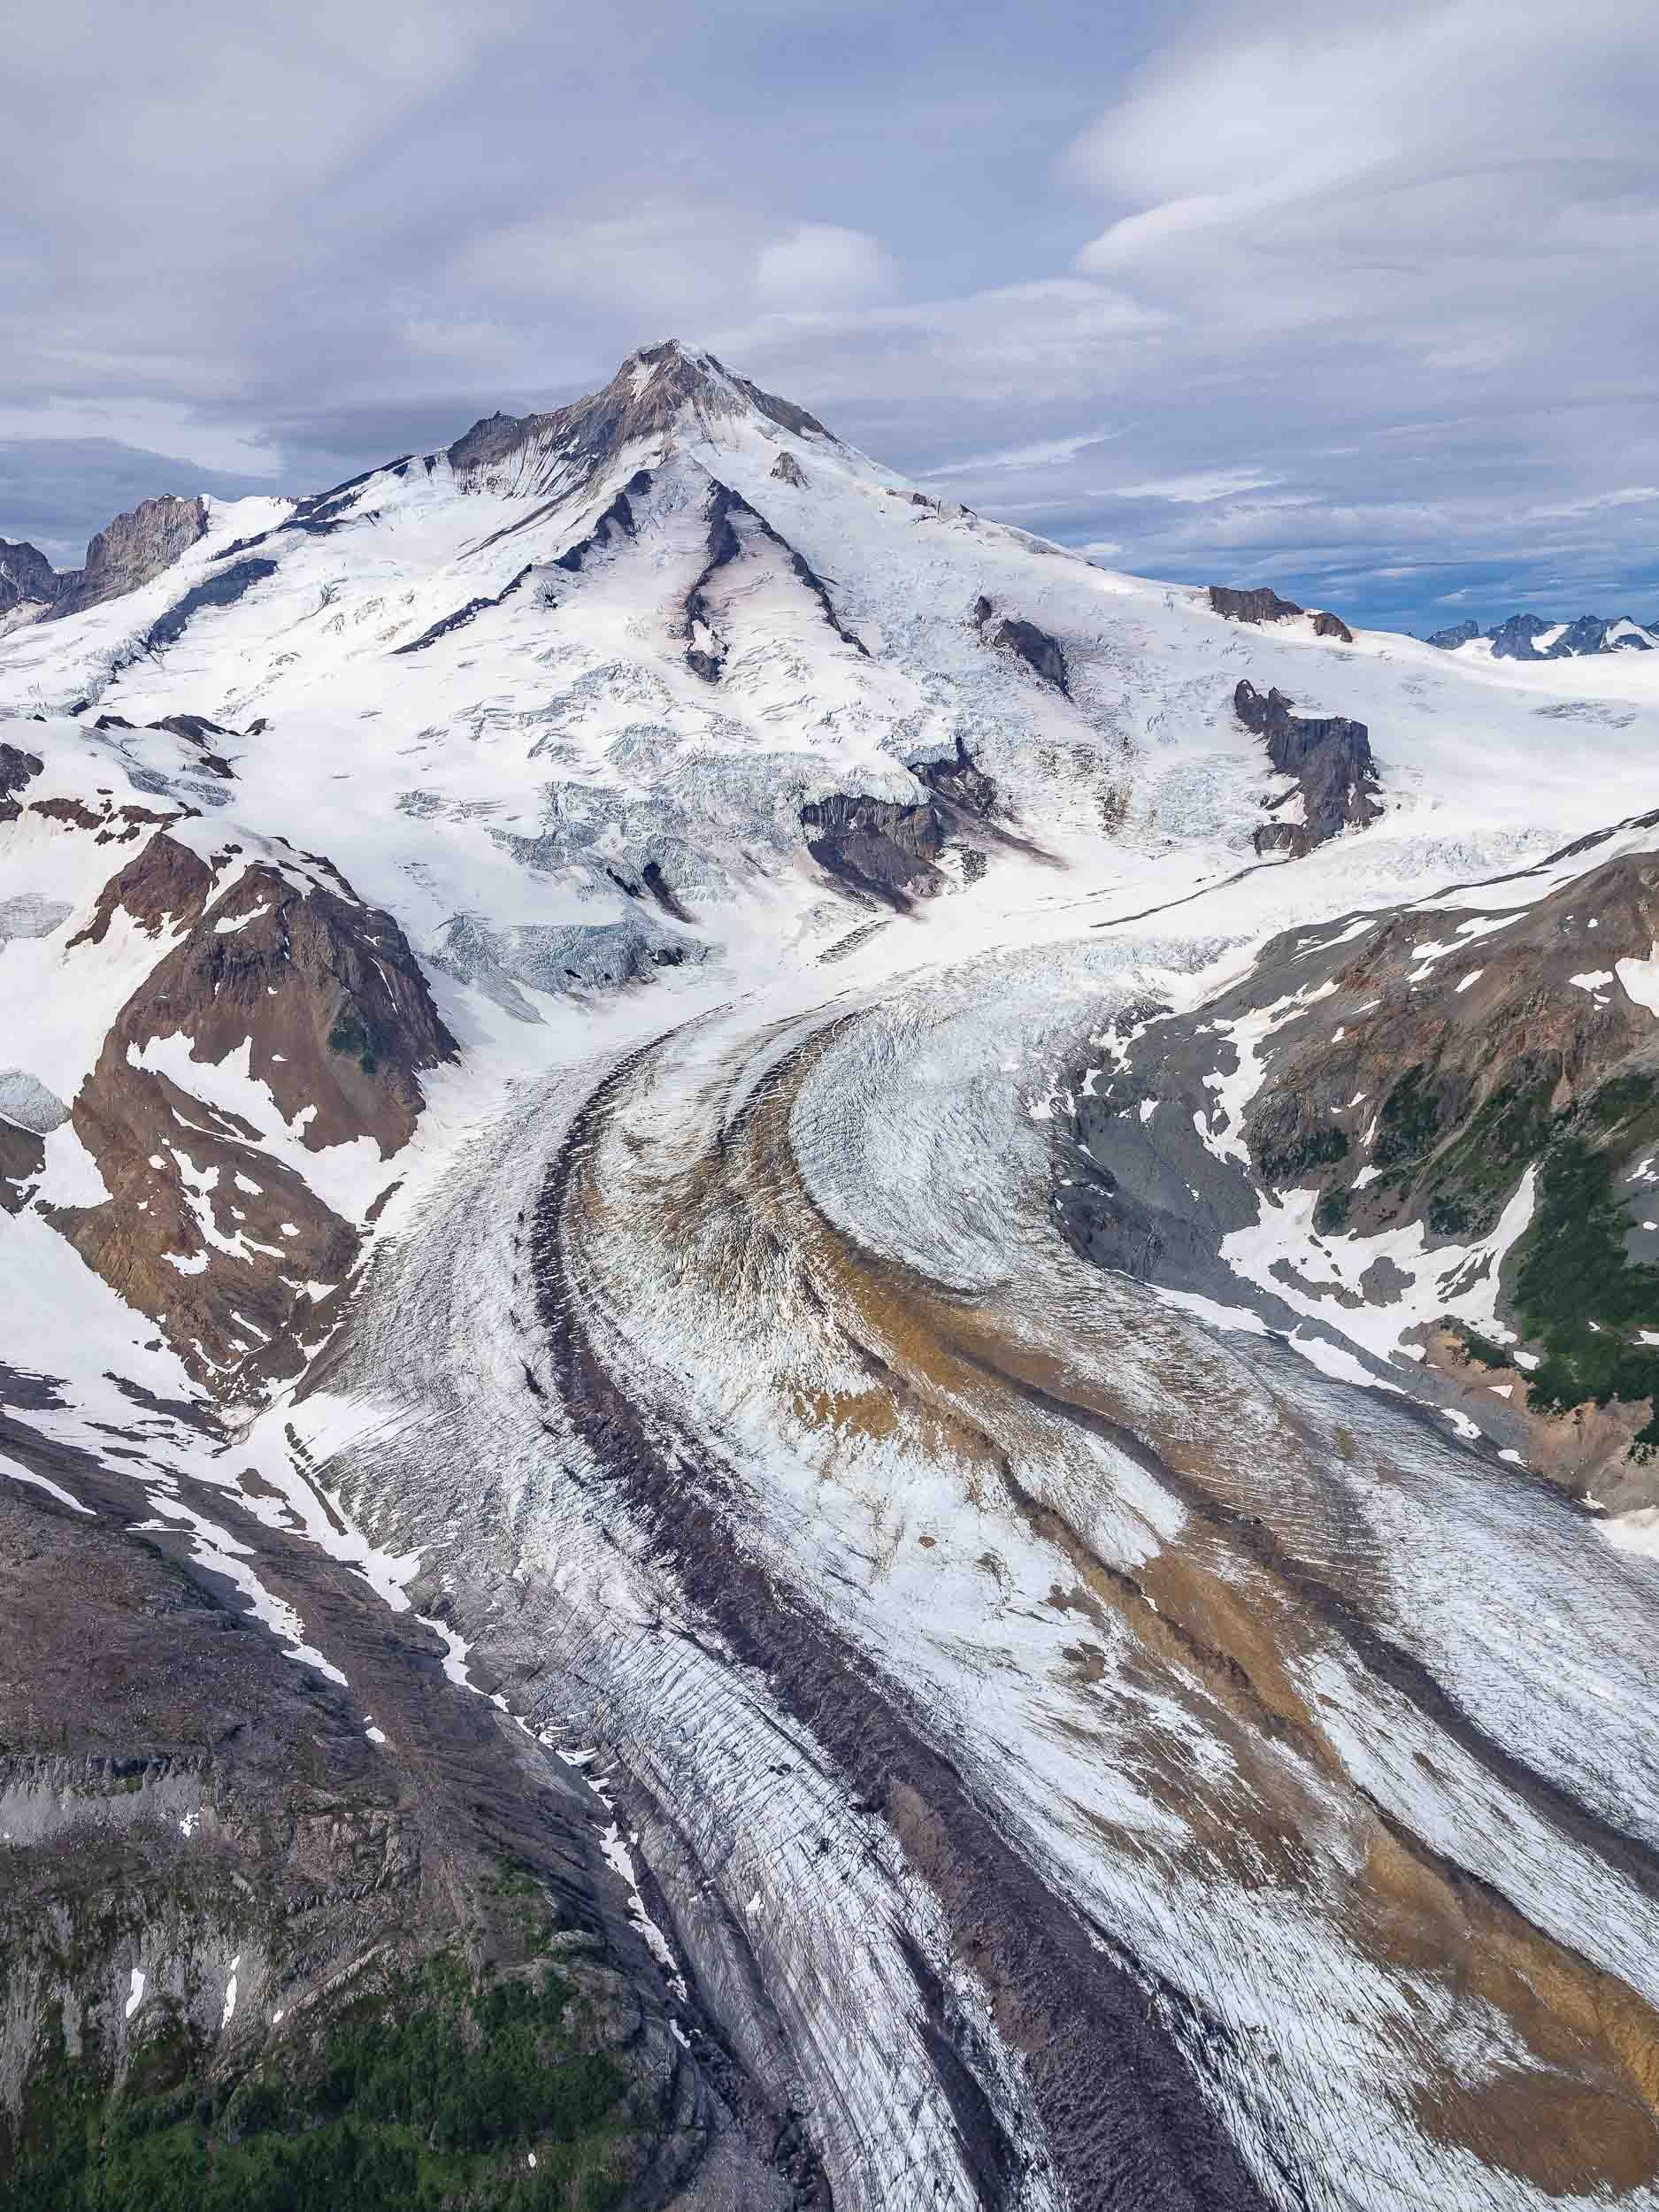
(230, 1249)
(1422, 1065)
(1461, 1060)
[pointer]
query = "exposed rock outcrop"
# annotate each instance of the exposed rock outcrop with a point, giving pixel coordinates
(27, 579)
(22, 1160)
(223, 589)
(1040, 653)
(1328, 624)
(650, 397)
(788, 470)
(17, 768)
(132, 550)
(273, 1924)
(1331, 759)
(1261, 605)
(616, 522)
(882, 848)
(464, 615)
(737, 530)
(213, 1225)
(890, 851)
(961, 782)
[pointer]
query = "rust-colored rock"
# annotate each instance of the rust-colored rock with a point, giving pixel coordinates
(308, 993)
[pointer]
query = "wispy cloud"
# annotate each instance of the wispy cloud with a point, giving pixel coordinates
(1044, 454)
(1197, 490)
(1332, 296)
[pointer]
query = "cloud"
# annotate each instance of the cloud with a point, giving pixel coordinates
(150, 426)
(1601, 502)
(821, 265)
(1359, 299)
(653, 261)
(1198, 490)
(1041, 455)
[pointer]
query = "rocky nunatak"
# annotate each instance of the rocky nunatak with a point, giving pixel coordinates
(1330, 757)
(1264, 604)
(889, 851)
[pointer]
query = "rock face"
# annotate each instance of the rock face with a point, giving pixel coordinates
(1460, 633)
(17, 768)
(27, 579)
(788, 470)
(891, 852)
(1261, 605)
(1331, 759)
(256, 1073)
(223, 589)
(1328, 624)
(1512, 641)
(885, 851)
(961, 782)
(232, 1249)
(1040, 653)
(131, 551)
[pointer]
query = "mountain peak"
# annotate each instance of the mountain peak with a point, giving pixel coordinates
(660, 393)
(672, 378)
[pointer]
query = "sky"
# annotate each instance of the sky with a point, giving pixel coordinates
(1362, 305)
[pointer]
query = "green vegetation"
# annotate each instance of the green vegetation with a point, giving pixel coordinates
(1322, 1148)
(429, 2093)
(1579, 1295)
(1408, 1121)
(355, 1031)
(1482, 1350)
(1617, 1101)
(1481, 1166)
(1330, 1216)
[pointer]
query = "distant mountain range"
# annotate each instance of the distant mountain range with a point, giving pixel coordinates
(1527, 637)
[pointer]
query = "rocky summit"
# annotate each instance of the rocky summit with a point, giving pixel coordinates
(831, 1370)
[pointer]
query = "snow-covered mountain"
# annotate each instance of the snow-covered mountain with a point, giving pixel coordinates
(1528, 637)
(918, 1196)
